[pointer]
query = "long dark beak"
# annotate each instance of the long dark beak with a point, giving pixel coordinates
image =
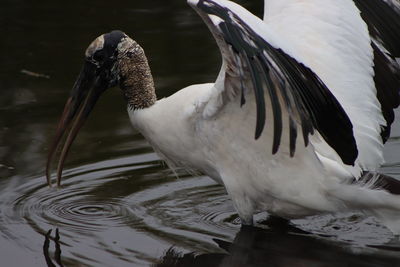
(84, 96)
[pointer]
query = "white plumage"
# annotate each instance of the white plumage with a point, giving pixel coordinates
(294, 122)
(331, 38)
(212, 133)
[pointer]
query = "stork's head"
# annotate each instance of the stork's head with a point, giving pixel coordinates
(111, 59)
(101, 65)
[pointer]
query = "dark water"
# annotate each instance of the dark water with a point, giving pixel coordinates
(120, 206)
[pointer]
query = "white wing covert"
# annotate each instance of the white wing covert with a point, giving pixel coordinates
(351, 45)
(249, 55)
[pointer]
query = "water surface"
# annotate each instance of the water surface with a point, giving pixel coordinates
(119, 204)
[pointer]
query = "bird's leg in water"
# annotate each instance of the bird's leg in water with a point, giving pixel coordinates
(276, 222)
(244, 208)
(247, 221)
(242, 203)
(282, 225)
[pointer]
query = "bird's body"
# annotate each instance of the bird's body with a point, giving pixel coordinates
(256, 180)
(219, 147)
(305, 78)
(187, 132)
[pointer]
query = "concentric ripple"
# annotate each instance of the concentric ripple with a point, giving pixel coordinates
(74, 206)
(112, 205)
(88, 215)
(116, 211)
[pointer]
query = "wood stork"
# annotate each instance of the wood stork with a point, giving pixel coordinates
(298, 114)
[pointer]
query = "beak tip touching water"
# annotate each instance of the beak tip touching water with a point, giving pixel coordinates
(83, 97)
(62, 125)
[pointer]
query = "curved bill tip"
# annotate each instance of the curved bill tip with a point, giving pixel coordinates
(83, 97)
(62, 125)
(77, 121)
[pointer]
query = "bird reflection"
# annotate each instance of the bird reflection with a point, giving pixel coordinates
(57, 253)
(277, 243)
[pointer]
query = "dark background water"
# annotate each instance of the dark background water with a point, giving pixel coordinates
(120, 205)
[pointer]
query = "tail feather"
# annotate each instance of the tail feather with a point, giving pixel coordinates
(379, 181)
(375, 194)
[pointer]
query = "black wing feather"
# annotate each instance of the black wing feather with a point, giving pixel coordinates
(276, 108)
(248, 54)
(260, 100)
(383, 22)
(387, 83)
(304, 95)
(293, 136)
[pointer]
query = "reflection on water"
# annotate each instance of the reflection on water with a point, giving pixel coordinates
(277, 247)
(119, 205)
(57, 252)
(273, 246)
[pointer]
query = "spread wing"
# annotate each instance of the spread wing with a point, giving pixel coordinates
(359, 41)
(250, 53)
